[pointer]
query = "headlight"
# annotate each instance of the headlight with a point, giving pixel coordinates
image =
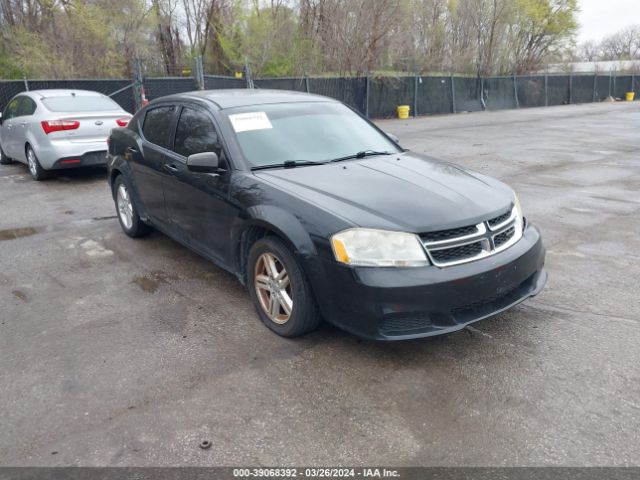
(519, 223)
(378, 248)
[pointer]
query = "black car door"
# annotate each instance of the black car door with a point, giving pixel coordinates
(197, 203)
(149, 165)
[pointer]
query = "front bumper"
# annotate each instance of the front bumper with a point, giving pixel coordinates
(404, 303)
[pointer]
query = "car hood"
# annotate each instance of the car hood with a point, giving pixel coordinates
(407, 192)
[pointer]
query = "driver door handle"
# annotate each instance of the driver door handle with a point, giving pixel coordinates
(171, 168)
(24, 124)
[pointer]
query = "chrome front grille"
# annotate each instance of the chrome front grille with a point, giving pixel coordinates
(456, 253)
(466, 244)
(447, 234)
(503, 237)
(495, 222)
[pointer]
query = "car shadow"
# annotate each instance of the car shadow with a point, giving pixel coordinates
(72, 175)
(80, 175)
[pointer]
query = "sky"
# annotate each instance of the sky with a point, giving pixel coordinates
(599, 18)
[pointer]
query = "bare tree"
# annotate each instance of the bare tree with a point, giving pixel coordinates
(624, 45)
(204, 23)
(168, 34)
(590, 51)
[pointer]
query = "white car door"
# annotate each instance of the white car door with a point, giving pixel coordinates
(6, 130)
(20, 126)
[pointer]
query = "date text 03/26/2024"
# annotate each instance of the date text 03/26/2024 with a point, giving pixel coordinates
(315, 473)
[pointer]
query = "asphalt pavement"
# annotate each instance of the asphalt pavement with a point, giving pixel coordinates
(116, 351)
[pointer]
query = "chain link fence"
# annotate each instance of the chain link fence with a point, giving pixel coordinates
(375, 97)
(121, 91)
(214, 82)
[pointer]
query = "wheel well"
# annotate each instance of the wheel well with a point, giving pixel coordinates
(112, 177)
(250, 236)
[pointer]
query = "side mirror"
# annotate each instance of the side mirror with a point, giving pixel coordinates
(205, 162)
(0, 118)
(393, 137)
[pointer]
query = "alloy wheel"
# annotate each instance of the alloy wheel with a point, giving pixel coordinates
(31, 160)
(125, 208)
(273, 287)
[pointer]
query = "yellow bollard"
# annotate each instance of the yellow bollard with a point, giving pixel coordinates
(403, 112)
(630, 96)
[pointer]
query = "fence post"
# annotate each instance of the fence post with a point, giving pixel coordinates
(595, 87)
(138, 84)
(613, 91)
(366, 94)
(570, 88)
(610, 77)
(546, 90)
(453, 95)
(415, 96)
(306, 83)
(515, 91)
(633, 82)
(482, 102)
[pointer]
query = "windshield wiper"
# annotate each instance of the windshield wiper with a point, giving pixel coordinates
(287, 164)
(362, 154)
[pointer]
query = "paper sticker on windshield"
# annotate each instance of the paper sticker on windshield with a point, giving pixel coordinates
(245, 122)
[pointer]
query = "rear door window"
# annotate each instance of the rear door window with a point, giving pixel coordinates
(195, 133)
(157, 125)
(26, 106)
(12, 109)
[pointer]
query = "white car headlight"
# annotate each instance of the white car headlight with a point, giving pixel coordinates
(378, 248)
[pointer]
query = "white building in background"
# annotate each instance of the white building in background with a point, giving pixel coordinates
(620, 66)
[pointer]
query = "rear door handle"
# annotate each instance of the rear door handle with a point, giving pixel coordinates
(171, 168)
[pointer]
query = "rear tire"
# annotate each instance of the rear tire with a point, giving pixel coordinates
(127, 211)
(4, 160)
(37, 172)
(279, 289)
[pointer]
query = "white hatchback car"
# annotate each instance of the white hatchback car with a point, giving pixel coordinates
(57, 129)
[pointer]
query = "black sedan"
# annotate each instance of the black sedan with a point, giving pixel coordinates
(323, 215)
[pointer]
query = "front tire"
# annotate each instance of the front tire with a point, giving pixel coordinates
(128, 216)
(279, 289)
(37, 172)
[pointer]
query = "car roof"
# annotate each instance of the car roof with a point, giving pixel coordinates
(62, 92)
(230, 98)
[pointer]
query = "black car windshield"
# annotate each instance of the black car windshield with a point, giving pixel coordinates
(303, 132)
